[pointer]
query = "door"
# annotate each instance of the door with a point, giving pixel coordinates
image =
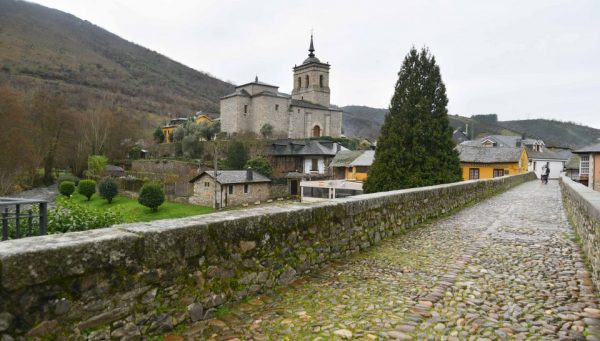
(294, 187)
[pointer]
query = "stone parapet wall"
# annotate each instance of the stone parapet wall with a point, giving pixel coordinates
(583, 208)
(147, 278)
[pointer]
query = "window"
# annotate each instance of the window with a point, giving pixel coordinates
(321, 80)
(276, 107)
(307, 81)
(299, 82)
(362, 169)
(245, 109)
(245, 188)
(230, 189)
(473, 173)
(534, 165)
(315, 165)
(498, 173)
(584, 165)
(317, 131)
(206, 184)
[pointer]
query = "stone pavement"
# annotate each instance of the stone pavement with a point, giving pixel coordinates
(506, 268)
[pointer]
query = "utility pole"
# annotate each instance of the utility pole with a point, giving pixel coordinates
(215, 165)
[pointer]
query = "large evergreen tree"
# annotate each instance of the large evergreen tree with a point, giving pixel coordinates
(415, 147)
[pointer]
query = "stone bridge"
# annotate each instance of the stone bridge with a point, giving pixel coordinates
(508, 266)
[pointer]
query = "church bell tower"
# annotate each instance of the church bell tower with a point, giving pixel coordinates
(311, 80)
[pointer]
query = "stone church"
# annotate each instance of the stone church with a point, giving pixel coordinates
(305, 113)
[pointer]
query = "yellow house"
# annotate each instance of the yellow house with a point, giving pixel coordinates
(491, 162)
(170, 128)
(352, 165)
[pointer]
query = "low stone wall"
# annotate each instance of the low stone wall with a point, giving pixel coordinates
(146, 278)
(583, 208)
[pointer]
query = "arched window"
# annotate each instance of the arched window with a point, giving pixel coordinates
(307, 81)
(321, 80)
(299, 82)
(316, 131)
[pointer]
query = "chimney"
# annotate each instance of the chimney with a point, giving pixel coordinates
(249, 174)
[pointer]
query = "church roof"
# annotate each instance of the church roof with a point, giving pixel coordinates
(309, 105)
(257, 82)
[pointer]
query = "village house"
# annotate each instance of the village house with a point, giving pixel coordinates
(173, 124)
(352, 164)
(233, 188)
(589, 165)
(487, 163)
(297, 160)
(307, 112)
(572, 168)
(539, 156)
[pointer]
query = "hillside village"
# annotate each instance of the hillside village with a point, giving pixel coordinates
(141, 199)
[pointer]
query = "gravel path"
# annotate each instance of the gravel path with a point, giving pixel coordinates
(506, 268)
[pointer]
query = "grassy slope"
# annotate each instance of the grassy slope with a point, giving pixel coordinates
(134, 212)
(42, 46)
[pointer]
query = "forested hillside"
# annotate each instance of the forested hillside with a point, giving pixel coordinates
(44, 47)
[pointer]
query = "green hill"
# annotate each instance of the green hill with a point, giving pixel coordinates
(40, 46)
(360, 121)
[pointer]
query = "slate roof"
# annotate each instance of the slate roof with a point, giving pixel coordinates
(501, 141)
(303, 148)
(344, 158)
(257, 82)
(226, 177)
(546, 154)
(459, 136)
(237, 92)
(365, 159)
(592, 148)
(488, 154)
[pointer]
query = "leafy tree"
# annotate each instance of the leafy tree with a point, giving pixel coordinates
(87, 188)
(415, 147)
(108, 188)
(266, 130)
(159, 136)
(191, 146)
(66, 188)
(261, 165)
(152, 196)
(178, 134)
(96, 164)
(208, 130)
(237, 155)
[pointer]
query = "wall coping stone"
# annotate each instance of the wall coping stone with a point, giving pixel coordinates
(34, 260)
(588, 197)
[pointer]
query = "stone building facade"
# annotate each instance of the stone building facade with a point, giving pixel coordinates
(307, 112)
(234, 188)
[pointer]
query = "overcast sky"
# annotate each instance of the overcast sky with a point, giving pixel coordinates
(519, 59)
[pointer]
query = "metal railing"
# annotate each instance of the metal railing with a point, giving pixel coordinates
(20, 217)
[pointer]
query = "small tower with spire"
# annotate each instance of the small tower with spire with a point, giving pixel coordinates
(311, 79)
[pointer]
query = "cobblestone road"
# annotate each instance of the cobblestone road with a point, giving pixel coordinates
(507, 268)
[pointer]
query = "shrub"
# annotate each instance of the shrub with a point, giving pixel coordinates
(152, 196)
(108, 189)
(66, 188)
(87, 188)
(69, 216)
(67, 177)
(261, 165)
(96, 164)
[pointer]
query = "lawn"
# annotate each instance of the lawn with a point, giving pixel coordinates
(133, 211)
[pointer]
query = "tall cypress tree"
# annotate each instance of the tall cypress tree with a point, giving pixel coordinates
(415, 147)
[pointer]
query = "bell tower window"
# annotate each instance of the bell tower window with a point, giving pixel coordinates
(307, 81)
(321, 80)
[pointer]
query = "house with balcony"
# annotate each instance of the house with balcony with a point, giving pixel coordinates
(589, 165)
(301, 159)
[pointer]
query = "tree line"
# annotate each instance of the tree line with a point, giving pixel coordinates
(42, 132)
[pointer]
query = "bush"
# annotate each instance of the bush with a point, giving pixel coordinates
(69, 216)
(67, 177)
(108, 189)
(87, 188)
(66, 188)
(152, 196)
(261, 165)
